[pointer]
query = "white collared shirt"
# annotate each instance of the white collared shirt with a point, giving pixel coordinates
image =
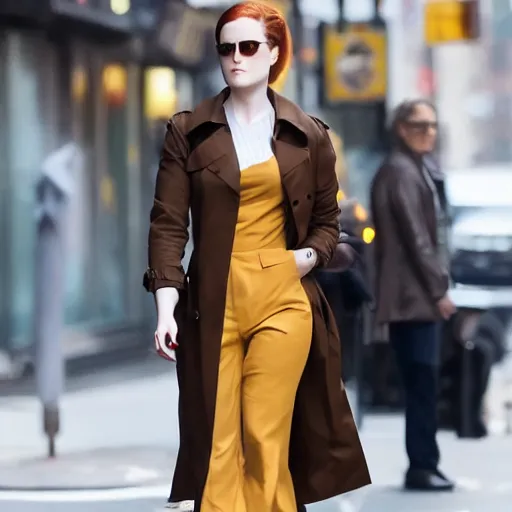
(252, 141)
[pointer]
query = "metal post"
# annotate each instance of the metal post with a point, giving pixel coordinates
(298, 42)
(54, 190)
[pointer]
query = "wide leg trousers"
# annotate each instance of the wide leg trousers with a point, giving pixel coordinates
(265, 345)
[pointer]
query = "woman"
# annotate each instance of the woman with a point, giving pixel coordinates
(258, 176)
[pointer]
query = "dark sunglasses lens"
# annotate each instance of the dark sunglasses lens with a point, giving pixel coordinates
(248, 48)
(423, 126)
(225, 49)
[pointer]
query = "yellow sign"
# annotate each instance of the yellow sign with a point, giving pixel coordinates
(355, 64)
(448, 21)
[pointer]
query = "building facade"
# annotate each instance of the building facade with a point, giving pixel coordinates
(83, 72)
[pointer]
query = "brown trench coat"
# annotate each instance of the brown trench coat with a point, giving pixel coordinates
(199, 168)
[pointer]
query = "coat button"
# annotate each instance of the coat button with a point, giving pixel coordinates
(309, 197)
(295, 203)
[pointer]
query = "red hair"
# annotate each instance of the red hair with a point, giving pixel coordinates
(276, 30)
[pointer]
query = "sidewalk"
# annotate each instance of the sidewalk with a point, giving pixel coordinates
(115, 434)
(119, 432)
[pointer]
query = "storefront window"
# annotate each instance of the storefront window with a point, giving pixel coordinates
(113, 193)
(98, 251)
(4, 203)
(31, 135)
(41, 82)
(80, 266)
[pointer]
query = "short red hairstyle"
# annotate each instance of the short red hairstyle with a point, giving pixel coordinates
(276, 28)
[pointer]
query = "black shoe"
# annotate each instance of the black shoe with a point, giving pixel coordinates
(425, 480)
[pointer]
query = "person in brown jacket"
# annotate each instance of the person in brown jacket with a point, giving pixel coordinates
(265, 423)
(412, 278)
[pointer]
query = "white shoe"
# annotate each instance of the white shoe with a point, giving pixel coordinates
(183, 506)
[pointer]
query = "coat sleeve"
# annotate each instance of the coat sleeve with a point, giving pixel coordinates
(323, 230)
(169, 218)
(405, 200)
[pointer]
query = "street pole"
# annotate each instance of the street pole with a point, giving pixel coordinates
(298, 43)
(341, 18)
(54, 189)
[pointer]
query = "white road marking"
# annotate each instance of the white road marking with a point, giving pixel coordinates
(503, 488)
(162, 492)
(497, 426)
(135, 474)
(82, 496)
(468, 484)
(184, 506)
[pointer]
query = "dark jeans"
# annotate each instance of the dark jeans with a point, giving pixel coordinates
(417, 347)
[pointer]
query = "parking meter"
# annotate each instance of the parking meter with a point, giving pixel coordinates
(54, 190)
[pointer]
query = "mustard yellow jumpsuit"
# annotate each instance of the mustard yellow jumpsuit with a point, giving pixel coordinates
(264, 348)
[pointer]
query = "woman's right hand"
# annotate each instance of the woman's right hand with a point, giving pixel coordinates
(165, 337)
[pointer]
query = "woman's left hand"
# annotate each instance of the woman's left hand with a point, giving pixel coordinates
(306, 260)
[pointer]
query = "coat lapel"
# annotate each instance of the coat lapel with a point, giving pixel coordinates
(290, 141)
(217, 155)
(217, 152)
(289, 157)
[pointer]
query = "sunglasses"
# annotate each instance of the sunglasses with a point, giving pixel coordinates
(246, 48)
(422, 126)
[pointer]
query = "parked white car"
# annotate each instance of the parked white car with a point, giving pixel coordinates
(481, 241)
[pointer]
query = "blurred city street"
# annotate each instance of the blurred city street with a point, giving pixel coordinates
(87, 91)
(119, 436)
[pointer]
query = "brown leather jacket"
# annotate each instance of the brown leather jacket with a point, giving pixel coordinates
(410, 278)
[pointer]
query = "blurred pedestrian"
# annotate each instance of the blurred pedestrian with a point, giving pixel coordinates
(412, 278)
(346, 287)
(257, 344)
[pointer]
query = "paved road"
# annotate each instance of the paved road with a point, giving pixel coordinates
(122, 410)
